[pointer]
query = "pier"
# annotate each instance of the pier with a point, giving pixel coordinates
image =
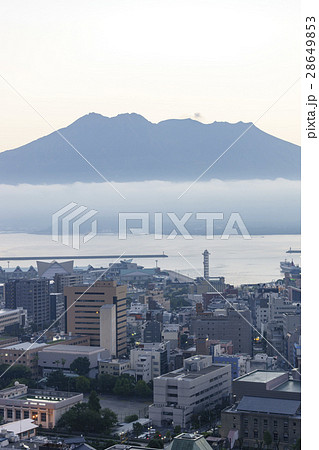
(53, 257)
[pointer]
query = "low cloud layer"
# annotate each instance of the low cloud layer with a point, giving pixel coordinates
(266, 207)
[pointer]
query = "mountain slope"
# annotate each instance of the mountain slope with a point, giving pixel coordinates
(130, 148)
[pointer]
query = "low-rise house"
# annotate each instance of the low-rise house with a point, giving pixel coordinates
(24, 429)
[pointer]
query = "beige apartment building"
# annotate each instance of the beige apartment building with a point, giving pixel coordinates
(87, 314)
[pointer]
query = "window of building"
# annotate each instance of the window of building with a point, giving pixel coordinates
(256, 434)
(43, 417)
(275, 436)
(286, 437)
(18, 414)
(26, 414)
(9, 413)
(275, 423)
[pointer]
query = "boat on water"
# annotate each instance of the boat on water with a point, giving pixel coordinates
(290, 267)
(293, 251)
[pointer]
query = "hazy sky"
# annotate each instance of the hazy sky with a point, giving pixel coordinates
(218, 60)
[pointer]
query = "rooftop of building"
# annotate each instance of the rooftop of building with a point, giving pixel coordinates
(39, 395)
(128, 447)
(152, 346)
(290, 386)
(4, 312)
(73, 349)
(24, 346)
(268, 405)
(19, 426)
(186, 441)
(182, 373)
(260, 376)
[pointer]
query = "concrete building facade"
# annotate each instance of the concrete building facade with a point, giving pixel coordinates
(84, 315)
(24, 354)
(61, 356)
(43, 407)
(12, 317)
(253, 416)
(32, 295)
(199, 385)
(114, 367)
(227, 326)
(150, 360)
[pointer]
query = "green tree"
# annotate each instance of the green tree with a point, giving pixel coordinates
(18, 371)
(124, 386)
(142, 389)
(81, 418)
(109, 418)
(94, 402)
(82, 384)
(130, 418)
(267, 438)
(177, 430)
(106, 383)
(80, 365)
(58, 380)
(137, 428)
(156, 443)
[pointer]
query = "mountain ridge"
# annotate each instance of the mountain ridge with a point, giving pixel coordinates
(128, 147)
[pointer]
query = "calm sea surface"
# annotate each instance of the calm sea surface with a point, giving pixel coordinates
(238, 260)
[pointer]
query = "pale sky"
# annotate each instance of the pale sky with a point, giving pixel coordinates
(226, 60)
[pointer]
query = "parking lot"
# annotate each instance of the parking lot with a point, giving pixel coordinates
(123, 407)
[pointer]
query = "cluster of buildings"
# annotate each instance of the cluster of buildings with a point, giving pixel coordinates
(204, 344)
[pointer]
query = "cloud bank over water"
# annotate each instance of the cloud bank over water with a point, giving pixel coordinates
(266, 206)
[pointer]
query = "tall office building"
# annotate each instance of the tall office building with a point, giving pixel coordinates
(32, 295)
(10, 297)
(86, 315)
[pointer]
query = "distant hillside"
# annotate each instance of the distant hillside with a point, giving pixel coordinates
(130, 148)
